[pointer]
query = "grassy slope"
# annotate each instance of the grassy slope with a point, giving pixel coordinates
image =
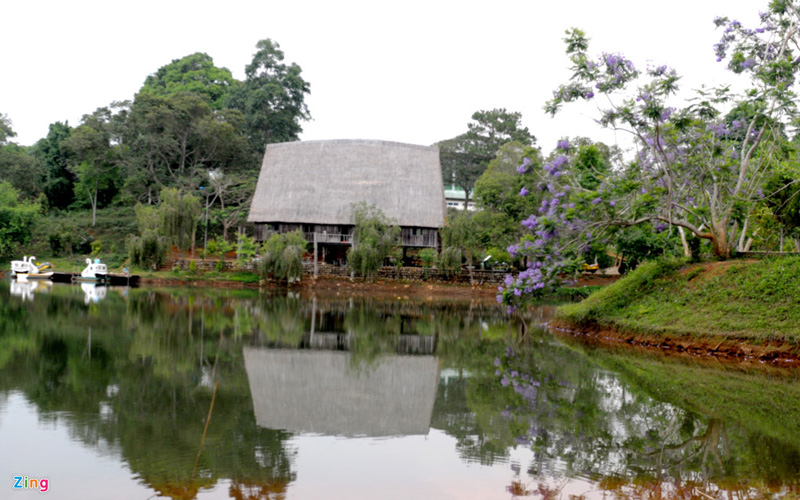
(754, 300)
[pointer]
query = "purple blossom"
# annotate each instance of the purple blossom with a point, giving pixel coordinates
(524, 191)
(596, 201)
(563, 144)
(497, 361)
(524, 167)
(504, 382)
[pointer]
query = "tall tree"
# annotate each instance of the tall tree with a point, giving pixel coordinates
(694, 170)
(465, 157)
(93, 160)
(59, 180)
(23, 170)
(172, 141)
(196, 74)
(272, 98)
(6, 132)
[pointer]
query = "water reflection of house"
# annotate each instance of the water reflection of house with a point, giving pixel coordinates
(311, 186)
(324, 392)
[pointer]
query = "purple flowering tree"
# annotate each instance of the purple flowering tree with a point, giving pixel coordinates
(698, 166)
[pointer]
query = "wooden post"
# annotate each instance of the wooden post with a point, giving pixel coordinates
(316, 265)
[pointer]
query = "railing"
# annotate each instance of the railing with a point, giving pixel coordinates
(419, 240)
(344, 239)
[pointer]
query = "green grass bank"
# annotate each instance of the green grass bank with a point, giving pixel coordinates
(749, 303)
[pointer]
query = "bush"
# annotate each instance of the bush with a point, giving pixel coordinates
(282, 256)
(450, 261)
(148, 251)
(245, 249)
(374, 236)
(428, 258)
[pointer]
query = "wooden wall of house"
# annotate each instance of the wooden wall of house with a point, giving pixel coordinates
(409, 236)
(419, 237)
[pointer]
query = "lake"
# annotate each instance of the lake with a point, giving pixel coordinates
(213, 394)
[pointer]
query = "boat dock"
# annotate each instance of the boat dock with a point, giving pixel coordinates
(111, 279)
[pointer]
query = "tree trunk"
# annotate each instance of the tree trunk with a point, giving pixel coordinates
(687, 252)
(94, 206)
(719, 239)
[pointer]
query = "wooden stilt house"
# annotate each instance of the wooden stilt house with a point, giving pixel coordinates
(312, 186)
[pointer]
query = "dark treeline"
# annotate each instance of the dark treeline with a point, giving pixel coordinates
(191, 127)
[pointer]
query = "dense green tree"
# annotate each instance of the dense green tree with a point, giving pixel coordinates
(272, 98)
(17, 219)
(23, 170)
(195, 74)
(465, 157)
(59, 181)
(499, 187)
(172, 141)
(6, 132)
(17, 166)
(93, 161)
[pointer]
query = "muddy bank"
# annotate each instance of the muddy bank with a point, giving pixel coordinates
(713, 348)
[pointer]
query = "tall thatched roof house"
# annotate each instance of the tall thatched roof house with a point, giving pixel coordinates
(312, 185)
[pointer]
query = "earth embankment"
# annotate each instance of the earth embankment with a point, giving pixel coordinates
(738, 308)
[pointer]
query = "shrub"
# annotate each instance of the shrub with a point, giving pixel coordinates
(282, 256)
(428, 258)
(374, 237)
(450, 261)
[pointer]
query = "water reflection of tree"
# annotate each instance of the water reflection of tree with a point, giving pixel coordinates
(581, 420)
(137, 387)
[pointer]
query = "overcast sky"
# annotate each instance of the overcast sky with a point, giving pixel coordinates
(410, 71)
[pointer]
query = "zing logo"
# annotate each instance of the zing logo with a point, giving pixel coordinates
(25, 483)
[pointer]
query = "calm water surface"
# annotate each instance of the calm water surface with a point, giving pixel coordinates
(106, 393)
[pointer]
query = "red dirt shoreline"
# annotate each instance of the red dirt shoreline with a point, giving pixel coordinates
(720, 349)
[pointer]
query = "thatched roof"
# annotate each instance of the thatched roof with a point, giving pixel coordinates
(321, 392)
(315, 182)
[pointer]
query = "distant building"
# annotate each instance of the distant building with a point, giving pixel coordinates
(311, 186)
(454, 197)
